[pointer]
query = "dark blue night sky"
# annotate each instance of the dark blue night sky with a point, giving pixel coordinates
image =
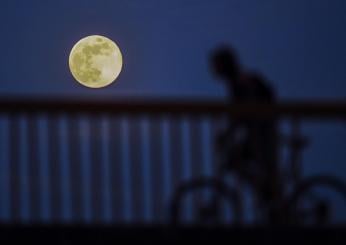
(299, 45)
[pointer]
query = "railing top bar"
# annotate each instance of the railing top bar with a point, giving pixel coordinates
(307, 109)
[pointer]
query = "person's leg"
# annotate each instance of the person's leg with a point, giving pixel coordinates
(271, 187)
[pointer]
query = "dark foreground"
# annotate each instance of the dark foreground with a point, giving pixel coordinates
(78, 234)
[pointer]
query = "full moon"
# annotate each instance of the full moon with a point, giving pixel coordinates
(95, 61)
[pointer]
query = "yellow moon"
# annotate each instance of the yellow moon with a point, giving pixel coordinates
(95, 61)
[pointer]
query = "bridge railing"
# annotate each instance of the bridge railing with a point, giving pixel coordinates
(79, 161)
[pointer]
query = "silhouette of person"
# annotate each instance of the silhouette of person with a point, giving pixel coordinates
(248, 146)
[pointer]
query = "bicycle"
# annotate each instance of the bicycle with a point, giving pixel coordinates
(299, 205)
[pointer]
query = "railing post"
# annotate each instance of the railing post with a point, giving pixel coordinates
(296, 145)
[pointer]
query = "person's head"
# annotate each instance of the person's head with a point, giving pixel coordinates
(224, 63)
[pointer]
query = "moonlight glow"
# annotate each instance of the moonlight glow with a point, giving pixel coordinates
(95, 61)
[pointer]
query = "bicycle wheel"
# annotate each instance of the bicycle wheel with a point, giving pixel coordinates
(207, 212)
(308, 204)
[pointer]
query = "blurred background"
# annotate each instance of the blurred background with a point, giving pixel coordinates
(124, 167)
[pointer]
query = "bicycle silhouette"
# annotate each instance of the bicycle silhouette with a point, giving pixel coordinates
(300, 203)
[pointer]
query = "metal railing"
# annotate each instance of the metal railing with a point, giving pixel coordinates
(113, 162)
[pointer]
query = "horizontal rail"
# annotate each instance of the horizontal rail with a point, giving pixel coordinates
(157, 234)
(302, 109)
